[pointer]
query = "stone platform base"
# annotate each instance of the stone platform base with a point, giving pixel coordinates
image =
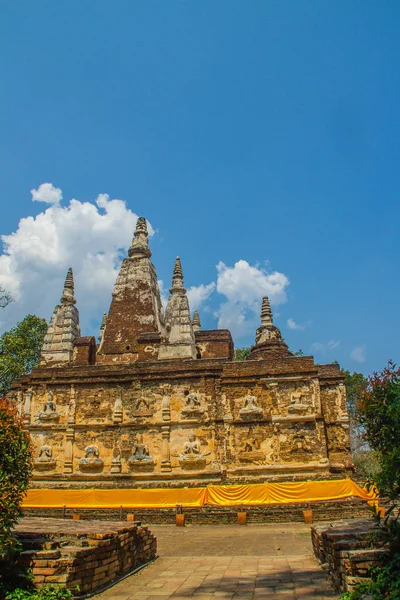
(349, 508)
(85, 556)
(344, 549)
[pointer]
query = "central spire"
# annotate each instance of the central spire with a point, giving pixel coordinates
(136, 304)
(140, 244)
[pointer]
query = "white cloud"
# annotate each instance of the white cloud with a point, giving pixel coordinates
(317, 347)
(293, 325)
(197, 295)
(93, 237)
(46, 192)
(90, 237)
(325, 348)
(244, 285)
(333, 344)
(358, 354)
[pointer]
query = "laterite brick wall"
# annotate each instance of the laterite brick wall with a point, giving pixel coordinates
(84, 556)
(344, 549)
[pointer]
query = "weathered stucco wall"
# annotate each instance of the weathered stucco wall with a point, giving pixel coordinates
(186, 421)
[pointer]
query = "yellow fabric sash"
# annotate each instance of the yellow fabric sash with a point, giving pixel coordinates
(215, 495)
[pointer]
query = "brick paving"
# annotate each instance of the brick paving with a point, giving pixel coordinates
(228, 562)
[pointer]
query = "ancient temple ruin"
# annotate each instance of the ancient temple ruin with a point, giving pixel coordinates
(159, 401)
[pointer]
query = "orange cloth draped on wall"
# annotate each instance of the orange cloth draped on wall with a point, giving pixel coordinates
(136, 498)
(215, 495)
(281, 493)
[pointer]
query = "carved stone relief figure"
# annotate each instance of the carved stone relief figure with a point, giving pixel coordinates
(296, 405)
(91, 461)
(251, 451)
(273, 451)
(142, 404)
(301, 442)
(192, 456)
(49, 412)
(116, 464)
(193, 408)
(250, 410)
(45, 460)
(140, 458)
(192, 446)
(142, 407)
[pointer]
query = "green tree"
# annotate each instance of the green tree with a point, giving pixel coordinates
(379, 414)
(355, 385)
(242, 353)
(364, 457)
(15, 471)
(20, 350)
(378, 411)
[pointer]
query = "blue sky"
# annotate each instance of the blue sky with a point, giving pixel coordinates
(261, 132)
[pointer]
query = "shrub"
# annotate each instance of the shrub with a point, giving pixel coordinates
(242, 353)
(379, 415)
(48, 592)
(15, 470)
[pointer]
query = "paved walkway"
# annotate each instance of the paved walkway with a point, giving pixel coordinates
(228, 562)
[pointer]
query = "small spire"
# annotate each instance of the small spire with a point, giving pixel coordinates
(68, 292)
(179, 339)
(196, 324)
(103, 326)
(266, 312)
(140, 244)
(178, 273)
(177, 277)
(141, 226)
(69, 280)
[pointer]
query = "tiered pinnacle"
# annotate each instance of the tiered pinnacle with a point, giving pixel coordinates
(177, 278)
(266, 312)
(269, 342)
(179, 340)
(177, 269)
(68, 292)
(268, 331)
(63, 329)
(196, 324)
(140, 244)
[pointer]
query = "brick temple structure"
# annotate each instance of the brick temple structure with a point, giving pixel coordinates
(161, 402)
